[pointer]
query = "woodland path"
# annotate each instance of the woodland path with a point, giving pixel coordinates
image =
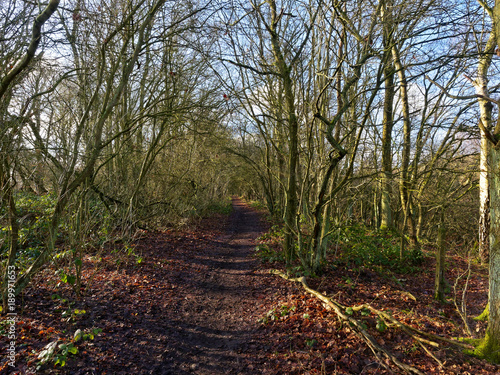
(192, 306)
(214, 330)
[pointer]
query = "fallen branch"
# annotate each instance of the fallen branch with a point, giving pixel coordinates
(339, 310)
(419, 336)
(407, 328)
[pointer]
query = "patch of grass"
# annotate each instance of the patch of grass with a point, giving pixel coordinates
(224, 208)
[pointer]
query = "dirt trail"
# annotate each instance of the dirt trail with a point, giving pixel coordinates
(214, 328)
(190, 306)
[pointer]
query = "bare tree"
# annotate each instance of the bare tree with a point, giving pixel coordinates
(88, 130)
(10, 125)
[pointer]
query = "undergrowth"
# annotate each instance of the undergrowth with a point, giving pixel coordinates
(33, 213)
(361, 246)
(354, 245)
(223, 207)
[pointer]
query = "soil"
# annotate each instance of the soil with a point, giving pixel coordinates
(198, 300)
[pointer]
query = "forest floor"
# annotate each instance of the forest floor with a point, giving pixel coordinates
(199, 301)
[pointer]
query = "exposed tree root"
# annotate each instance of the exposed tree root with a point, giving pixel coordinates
(379, 351)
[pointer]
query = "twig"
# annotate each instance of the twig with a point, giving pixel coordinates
(462, 311)
(441, 365)
(443, 89)
(419, 336)
(417, 331)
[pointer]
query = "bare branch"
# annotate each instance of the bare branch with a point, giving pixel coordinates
(487, 133)
(240, 65)
(458, 97)
(30, 52)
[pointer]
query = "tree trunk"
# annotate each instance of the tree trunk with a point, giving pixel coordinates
(385, 186)
(490, 346)
(485, 108)
(320, 214)
(9, 202)
(484, 203)
(440, 281)
(404, 184)
(293, 128)
(291, 194)
(388, 119)
(376, 214)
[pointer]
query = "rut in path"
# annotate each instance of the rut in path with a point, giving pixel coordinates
(217, 319)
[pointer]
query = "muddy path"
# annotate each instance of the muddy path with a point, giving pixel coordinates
(217, 319)
(191, 306)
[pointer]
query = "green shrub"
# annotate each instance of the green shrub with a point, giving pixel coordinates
(34, 213)
(274, 235)
(34, 219)
(258, 205)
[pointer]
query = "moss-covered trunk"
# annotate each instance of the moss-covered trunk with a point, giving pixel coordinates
(440, 281)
